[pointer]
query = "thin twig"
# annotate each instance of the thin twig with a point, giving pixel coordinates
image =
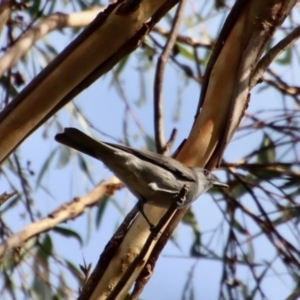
(6, 196)
(284, 88)
(195, 43)
(272, 54)
(269, 229)
(24, 185)
(158, 106)
(90, 124)
(186, 70)
(197, 63)
(128, 108)
(170, 142)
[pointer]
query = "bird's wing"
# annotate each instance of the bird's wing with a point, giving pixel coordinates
(168, 163)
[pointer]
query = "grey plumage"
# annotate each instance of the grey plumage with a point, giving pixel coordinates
(153, 178)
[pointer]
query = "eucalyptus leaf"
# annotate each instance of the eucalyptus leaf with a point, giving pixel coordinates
(266, 153)
(68, 233)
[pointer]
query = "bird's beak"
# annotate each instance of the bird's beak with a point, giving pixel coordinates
(220, 184)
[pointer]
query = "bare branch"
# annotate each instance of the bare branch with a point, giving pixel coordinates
(168, 230)
(284, 88)
(170, 142)
(5, 196)
(57, 21)
(107, 255)
(187, 71)
(184, 39)
(137, 261)
(251, 48)
(5, 11)
(63, 213)
(55, 92)
(53, 22)
(272, 54)
(158, 101)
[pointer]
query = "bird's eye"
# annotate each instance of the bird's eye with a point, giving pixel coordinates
(206, 173)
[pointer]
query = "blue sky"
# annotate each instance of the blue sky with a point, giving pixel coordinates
(103, 106)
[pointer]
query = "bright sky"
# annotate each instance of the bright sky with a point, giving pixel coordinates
(103, 107)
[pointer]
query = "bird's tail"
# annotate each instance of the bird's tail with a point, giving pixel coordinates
(79, 141)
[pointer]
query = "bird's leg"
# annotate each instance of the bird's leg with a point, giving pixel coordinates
(140, 206)
(181, 197)
(178, 200)
(155, 188)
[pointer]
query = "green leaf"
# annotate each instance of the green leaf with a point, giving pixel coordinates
(50, 9)
(12, 90)
(40, 288)
(267, 151)
(288, 213)
(237, 188)
(68, 233)
(236, 225)
(10, 203)
(250, 255)
(121, 65)
(61, 290)
(285, 57)
(75, 271)
(9, 284)
(51, 50)
(271, 171)
(45, 250)
(83, 4)
(185, 52)
(64, 156)
(11, 260)
(84, 167)
(45, 167)
(190, 220)
(290, 184)
(34, 8)
(100, 209)
(151, 146)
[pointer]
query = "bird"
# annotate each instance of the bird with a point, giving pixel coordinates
(153, 178)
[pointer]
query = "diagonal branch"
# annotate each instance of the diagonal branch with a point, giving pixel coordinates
(138, 260)
(51, 23)
(63, 213)
(54, 84)
(281, 46)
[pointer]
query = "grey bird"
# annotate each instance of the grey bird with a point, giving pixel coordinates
(153, 178)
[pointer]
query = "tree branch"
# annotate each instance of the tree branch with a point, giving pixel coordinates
(281, 46)
(53, 22)
(153, 235)
(161, 64)
(63, 213)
